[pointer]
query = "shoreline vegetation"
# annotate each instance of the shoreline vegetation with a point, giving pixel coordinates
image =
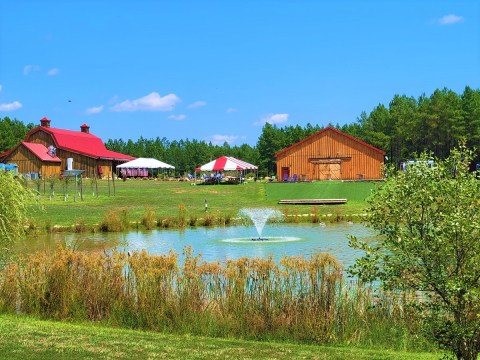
(304, 300)
(145, 205)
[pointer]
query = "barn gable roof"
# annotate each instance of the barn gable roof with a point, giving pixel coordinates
(80, 142)
(40, 151)
(328, 129)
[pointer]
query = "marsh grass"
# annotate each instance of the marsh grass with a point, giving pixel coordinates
(80, 226)
(208, 220)
(182, 216)
(298, 299)
(314, 216)
(167, 222)
(149, 218)
(115, 220)
(192, 221)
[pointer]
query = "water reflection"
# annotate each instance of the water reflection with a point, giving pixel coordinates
(221, 243)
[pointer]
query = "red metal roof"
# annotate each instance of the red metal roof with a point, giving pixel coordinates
(81, 143)
(330, 128)
(40, 151)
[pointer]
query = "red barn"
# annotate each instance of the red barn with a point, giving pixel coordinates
(48, 151)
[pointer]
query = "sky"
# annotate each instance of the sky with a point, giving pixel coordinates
(218, 71)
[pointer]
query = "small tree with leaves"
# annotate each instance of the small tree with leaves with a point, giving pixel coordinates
(428, 220)
(14, 198)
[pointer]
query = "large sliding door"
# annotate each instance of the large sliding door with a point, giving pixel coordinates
(327, 169)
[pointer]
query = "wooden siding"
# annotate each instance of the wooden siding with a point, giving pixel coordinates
(331, 155)
(27, 162)
(80, 162)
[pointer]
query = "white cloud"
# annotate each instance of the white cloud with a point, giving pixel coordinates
(273, 119)
(1, 87)
(221, 139)
(53, 72)
(178, 117)
(27, 69)
(113, 100)
(450, 19)
(231, 110)
(10, 107)
(151, 102)
(94, 110)
(197, 104)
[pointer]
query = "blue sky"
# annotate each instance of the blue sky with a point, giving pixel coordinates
(218, 70)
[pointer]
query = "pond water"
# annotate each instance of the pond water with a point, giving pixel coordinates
(219, 243)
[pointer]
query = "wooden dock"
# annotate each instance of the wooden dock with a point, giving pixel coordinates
(313, 201)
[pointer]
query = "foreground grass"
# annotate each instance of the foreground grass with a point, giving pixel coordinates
(28, 338)
(165, 197)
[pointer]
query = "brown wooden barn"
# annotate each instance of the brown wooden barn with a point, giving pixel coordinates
(330, 154)
(48, 151)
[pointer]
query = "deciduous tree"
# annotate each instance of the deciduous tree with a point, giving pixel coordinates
(428, 221)
(14, 199)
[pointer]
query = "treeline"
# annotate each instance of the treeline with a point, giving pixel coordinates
(185, 155)
(409, 126)
(12, 132)
(404, 128)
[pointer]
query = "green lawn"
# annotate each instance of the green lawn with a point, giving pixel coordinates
(27, 338)
(354, 192)
(166, 196)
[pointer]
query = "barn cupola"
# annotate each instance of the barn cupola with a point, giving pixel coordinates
(85, 128)
(45, 122)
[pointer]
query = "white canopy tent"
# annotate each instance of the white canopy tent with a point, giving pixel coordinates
(148, 163)
(140, 166)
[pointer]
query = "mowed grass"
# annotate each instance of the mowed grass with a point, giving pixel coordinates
(165, 197)
(354, 192)
(29, 338)
(137, 195)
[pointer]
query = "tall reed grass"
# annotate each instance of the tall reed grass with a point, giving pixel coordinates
(115, 220)
(149, 218)
(298, 299)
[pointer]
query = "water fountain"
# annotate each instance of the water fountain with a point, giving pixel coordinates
(259, 218)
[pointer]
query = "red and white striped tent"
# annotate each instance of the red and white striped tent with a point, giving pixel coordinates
(226, 163)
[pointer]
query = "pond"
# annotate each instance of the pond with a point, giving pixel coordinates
(218, 243)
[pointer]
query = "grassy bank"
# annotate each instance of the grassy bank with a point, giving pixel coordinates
(29, 338)
(165, 199)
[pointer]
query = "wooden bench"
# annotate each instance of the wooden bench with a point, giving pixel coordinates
(312, 201)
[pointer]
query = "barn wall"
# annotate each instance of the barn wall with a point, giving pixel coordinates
(27, 162)
(330, 155)
(80, 162)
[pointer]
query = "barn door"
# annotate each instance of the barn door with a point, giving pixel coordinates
(323, 171)
(328, 170)
(335, 171)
